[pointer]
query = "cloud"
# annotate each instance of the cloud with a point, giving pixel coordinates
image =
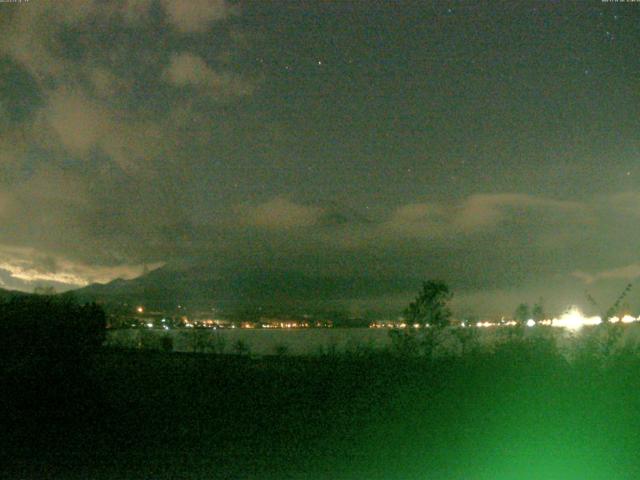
(480, 211)
(628, 272)
(4, 203)
(131, 11)
(92, 98)
(127, 143)
(45, 210)
(78, 122)
(417, 219)
(186, 69)
(107, 85)
(31, 35)
(71, 121)
(280, 213)
(196, 15)
(29, 266)
(25, 37)
(11, 151)
(476, 213)
(627, 203)
(97, 170)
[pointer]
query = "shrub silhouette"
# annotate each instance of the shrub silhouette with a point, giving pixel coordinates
(241, 348)
(46, 363)
(166, 343)
(34, 328)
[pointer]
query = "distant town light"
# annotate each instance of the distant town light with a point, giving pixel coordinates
(575, 320)
(140, 309)
(531, 322)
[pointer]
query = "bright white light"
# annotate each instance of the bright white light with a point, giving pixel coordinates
(628, 319)
(485, 324)
(150, 325)
(531, 322)
(575, 320)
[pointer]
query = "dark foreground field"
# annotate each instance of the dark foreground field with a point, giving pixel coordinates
(519, 412)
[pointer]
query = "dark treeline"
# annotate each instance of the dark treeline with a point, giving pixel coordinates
(47, 343)
(35, 328)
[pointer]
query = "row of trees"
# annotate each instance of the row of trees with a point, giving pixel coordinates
(431, 307)
(36, 329)
(523, 313)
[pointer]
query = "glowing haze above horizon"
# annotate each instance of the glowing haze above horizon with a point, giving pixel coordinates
(493, 146)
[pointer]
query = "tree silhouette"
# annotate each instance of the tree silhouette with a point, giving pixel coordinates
(431, 306)
(537, 312)
(522, 313)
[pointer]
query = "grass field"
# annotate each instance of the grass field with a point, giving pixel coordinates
(518, 411)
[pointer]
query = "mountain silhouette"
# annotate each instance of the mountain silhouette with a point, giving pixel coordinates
(205, 287)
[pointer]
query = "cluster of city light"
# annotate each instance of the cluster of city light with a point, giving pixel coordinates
(279, 325)
(243, 325)
(502, 323)
(486, 324)
(625, 319)
(572, 320)
(575, 320)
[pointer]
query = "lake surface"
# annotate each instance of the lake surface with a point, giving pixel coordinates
(258, 341)
(316, 340)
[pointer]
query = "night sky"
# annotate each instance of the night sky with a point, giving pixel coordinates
(494, 145)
